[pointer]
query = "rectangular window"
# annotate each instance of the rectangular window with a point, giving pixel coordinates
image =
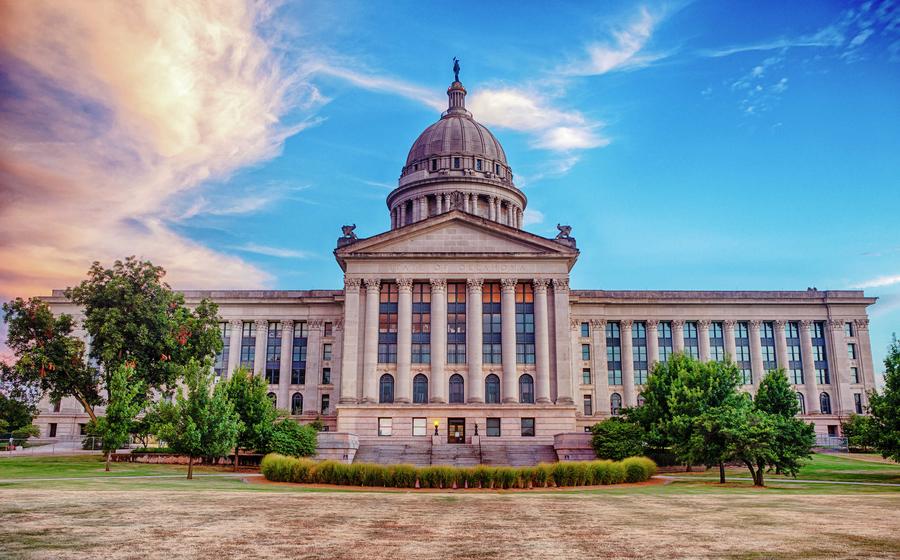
(328, 329)
(820, 356)
(742, 349)
(387, 323)
(527, 427)
(82, 429)
(585, 330)
(613, 353)
(491, 324)
(221, 365)
(326, 352)
(248, 345)
(326, 376)
(666, 345)
(639, 352)
(421, 323)
(385, 426)
(691, 340)
(794, 357)
(767, 344)
(52, 432)
(588, 406)
(716, 341)
(298, 354)
(456, 163)
(477, 165)
(857, 403)
(848, 330)
(585, 352)
(456, 323)
(420, 427)
(273, 352)
(586, 376)
(434, 165)
(854, 374)
(493, 427)
(524, 323)
(497, 168)
(851, 351)
(326, 404)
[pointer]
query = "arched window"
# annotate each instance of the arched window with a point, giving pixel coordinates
(801, 402)
(386, 389)
(420, 389)
(615, 403)
(457, 390)
(825, 403)
(492, 389)
(273, 398)
(526, 389)
(297, 404)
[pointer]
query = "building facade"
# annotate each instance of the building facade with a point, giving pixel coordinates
(457, 322)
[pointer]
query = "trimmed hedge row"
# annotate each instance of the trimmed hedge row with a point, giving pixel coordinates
(279, 468)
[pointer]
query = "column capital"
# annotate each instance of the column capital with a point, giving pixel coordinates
(805, 324)
(261, 323)
(678, 323)
(652, 323)
(861, 324)
(704, 323)
(404, 284)
(352, 284)
(574, 323)
(509, 283)
(598, 323)
(780, 324)
(315, 324)
(729, 323)
(836, 324)
(755, 324)
(540, 284)
(373, 284)
(626, 323)
(561, 284)
(474, 284)
(236, 323)
(438, 285)
(287, 325)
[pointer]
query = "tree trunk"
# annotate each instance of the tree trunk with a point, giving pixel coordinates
(87, 407)
(190, 467)
(721, 473)
(758, 481)
(687, 468)
(236, 452)
(108, 453)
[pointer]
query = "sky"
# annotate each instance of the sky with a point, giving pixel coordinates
(691, 145)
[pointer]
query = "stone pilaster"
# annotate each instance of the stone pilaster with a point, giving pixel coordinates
(564, 392)
(349, 361)
(284, 375)
(542, 341)
(259, 360)
(438, 340)
(314, 360)
(652, 343)
(756, 364)
(841, 367)
(508, 338)
(403, 387)
(809, 368)
(678, 336)
(781, 349)
(599, 369)
(628, 362)
(864, 361)
(370, 341)
(234, 347)
(474, 351)
(730, 347)
(703, 333)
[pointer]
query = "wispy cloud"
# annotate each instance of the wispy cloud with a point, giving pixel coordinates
(268, 251)
(758, 88)
(374, 82)
(115, 118)
(624, 51)
(879, 282)
(533, 216)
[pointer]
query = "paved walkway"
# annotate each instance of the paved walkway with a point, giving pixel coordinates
(116, 476)
(791, 480)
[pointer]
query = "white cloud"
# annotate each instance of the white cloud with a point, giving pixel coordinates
(625, 50)
(533, 217)
(273, 251)
(879, 282)
(373, 82)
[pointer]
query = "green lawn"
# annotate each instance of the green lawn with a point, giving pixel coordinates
(85, 466)
(827, 467)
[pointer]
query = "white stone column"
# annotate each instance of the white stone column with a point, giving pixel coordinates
(370, 344)
(781, 350)
(542, 341)
(841, 368)
(438, 380)
(564, 392)
(475, 382)
(730, 347)
(423, 208)
(652, 343)
(439, 204)
(864, 362)
(575, 364)
(313, 361)
(403, 214)
(467, 202)
(234, 347)
(628, 363)
(490, 214)
(259, 360)
(447, 202)
(703, 333)
(403, 387)
(678, 335)
(284, 375)
(599, 368)
(756, 364)
(809, 368)
(349, 362)
(508, 338)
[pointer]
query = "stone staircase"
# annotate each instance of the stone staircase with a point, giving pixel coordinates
(516, 454)
(456, 454)
(422, 454)
(418, 454)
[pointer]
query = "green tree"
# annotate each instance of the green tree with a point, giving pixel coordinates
(15, 412)
(617, 438)
(249, 395)
(655, 415)
(860, 432)
(48, 356)
(202, 421)
(884, 407)
(133, 316)
(290, 438)
(124, 404)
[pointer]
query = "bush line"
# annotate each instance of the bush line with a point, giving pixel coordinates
(279, 468)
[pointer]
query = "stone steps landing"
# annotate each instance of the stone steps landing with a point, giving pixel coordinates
(422, 454)
(418, 454)
(456, 454)
(517, 454)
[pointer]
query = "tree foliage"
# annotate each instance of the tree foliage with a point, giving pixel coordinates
(48, 356)
(290, 438)
(134, 317)
(249, 395)
(884, 407)
(15, 413)
(124, 404)
(202, 422)
(860, 432)
(617, 438)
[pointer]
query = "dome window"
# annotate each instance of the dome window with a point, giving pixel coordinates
(456, 163)
(434, 165)
(497, 168)
(478, 164)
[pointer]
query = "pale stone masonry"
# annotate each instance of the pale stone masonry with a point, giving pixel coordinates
(457, 316)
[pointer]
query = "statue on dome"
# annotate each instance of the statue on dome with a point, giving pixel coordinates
(565, 232)
(455, 69)
(348, 231)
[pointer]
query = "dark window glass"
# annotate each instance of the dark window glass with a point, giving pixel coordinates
(493, 427)
(848, 330)
(456, 323)
(742, 351)
(825, 403)
(613, 353)
(857, 403)
(588, 406)
(273, 398)
(586, 376)
(298, 354)
(386, 389)
(421, 323)
(585, 329)
(524, 323)
(801, 402)
(248, 345)
(491, 323)
(526, 389)
(527, 427)
(457, 389)
(492, 389)
(691, 340)
(221, 364)
(420, 389)
(273, 353)
(716, 342)
(666, 345)
(767, 345)
(794, 358)
(639, 352)
(326, 404)
(326, 376)
(297, 404)
(820, 356)
(615, 403)
(387, 323)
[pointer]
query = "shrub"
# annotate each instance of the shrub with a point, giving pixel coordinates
(292, 439)
(616, 438)
(541, 475)
(484, 476)
(276, 467)
(525, 477)
(506, 477)
(404, 476)
(582, 474)
(638, 469)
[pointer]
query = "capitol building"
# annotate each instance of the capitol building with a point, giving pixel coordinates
(457, 327)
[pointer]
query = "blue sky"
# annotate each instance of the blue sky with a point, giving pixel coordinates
(691, 145)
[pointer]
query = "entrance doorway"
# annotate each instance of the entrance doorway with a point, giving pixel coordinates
(456, 430)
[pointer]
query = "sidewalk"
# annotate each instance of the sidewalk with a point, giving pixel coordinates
(790, 480)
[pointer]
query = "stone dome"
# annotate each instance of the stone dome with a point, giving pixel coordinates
(456, 133)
